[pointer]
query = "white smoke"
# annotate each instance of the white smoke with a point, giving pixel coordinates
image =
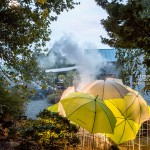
(88, 65)
(46, 62)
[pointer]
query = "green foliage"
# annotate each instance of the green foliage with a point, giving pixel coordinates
(67, 78)
(51, 131)
(70, 78)
(25, 29)
(11, 101)
(128, 65)
(124, 24)
(127, 26)
(61, 77)
(55, 97)
(146, 12)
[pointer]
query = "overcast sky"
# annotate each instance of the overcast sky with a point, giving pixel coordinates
(82, 24)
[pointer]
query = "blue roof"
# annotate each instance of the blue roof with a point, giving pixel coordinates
(108, 54)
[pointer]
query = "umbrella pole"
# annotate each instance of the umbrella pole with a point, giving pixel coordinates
(94, 121)
(93, 143)
(139, 141)
(82, 148)
(105, 143)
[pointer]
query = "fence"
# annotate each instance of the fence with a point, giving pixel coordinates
(101, 142)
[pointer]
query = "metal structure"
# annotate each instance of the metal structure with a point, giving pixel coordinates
(100, 142)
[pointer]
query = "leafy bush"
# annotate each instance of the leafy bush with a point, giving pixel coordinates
(51, 131)
(12, 101)
(55, 97)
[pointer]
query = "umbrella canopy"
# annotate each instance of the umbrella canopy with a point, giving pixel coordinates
(141, 105)
(53, 108)
(136, 108)
(106, 89)
(126, 129)
(89, 112)
(149, 110)
(69, 90)
(130, 113)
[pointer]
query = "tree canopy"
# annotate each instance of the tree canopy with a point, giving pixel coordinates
(127, 24)
(128, 29)
(25, 29)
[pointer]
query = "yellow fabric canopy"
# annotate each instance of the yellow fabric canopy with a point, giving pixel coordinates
(53, 108)
(106, 89)
(126, 129)
(89, 112)
(130, 112)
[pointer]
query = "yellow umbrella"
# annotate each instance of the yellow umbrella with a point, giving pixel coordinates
(130, 112)
(106, 89)
(149, 110)
(66, 92)
(126, 129)
(89, 112)
(136, 107)
(69, 90)
(53, 108)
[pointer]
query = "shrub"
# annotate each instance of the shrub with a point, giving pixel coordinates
(55, 97)
(51, 131)
(12, 101)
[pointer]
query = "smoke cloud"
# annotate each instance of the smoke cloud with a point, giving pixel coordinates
(88, 65)
(46, 61)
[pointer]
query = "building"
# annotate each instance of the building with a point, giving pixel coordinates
(108, 54)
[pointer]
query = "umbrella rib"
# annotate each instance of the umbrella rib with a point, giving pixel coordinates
(117, 90)
(131, 127)
(119, 123)
(130, 106)
(140, 112)
(117, 108)
(131, 119)
(123, 132)
(94, 115)
(103, 89)
(107, 115)
(80, 107)
(131, 103)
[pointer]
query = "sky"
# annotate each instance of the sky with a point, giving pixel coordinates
(82, 24)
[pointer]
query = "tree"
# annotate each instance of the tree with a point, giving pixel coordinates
(128, 65)
(25, 29)
(127, 26)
